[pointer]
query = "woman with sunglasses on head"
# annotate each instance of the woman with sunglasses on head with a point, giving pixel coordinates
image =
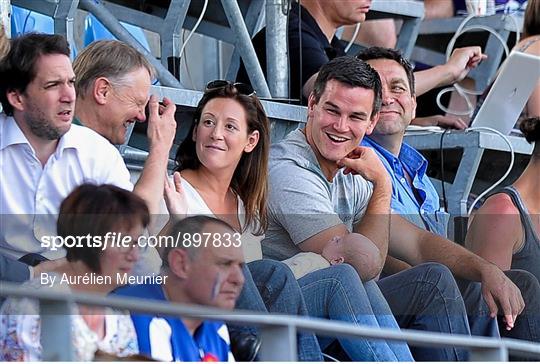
(95, 212)
(222, 171)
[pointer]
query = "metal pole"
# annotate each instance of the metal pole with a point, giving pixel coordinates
(279, 328)
(171, 30)
(114, 26)
(253, 18)
(63, 16)
(277, 68)
(245, 48)
(278, 343)
(56, 330)
(489, 354)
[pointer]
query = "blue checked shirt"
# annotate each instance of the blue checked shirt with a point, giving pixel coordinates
(422, 209)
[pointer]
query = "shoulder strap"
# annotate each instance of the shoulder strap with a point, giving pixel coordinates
(525, 218)
(516, 199)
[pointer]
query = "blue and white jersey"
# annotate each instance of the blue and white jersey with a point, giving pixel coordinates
(166, 338)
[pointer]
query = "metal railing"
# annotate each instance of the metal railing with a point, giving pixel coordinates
(278, 332)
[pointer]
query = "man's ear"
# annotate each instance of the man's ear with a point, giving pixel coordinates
(372, 123)
(253, 139)
(15, 99)
(311, 106)
(179, 263)
(311, 103)
(101, 90)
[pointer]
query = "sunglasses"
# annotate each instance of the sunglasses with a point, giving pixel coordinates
(242, 88)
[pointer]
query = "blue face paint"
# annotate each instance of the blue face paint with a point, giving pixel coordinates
(217, 286)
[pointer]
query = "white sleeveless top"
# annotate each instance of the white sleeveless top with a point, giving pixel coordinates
(251, 244)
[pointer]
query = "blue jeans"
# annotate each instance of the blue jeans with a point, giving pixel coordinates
(480, 321)
(527, 325)
(426, 297)
(337, 293)
(270, 286)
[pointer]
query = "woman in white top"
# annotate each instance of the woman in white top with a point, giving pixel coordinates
(224, 174)
(94, 211)
(222, 170)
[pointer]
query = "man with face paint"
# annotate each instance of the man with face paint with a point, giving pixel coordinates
(198, 274)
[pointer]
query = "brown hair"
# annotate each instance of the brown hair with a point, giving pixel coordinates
(250, 179)
(373, 53)
(353, 72)
(18, 67)
(95, 211)
(107, 58)
(531, 20)
(530, 128)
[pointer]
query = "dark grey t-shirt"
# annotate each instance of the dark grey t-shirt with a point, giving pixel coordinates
(528, 256)
(302, 203)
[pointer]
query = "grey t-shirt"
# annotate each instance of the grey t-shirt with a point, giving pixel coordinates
(302, 203)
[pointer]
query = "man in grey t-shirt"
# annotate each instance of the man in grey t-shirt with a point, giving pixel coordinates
(319, 190)
(312, 199)
(341, 201)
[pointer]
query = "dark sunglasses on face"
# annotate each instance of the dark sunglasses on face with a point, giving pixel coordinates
(242, 88)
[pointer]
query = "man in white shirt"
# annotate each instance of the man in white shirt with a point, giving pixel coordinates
(113, 84)
(42, 155)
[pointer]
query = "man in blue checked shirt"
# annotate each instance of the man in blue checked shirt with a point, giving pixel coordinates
(413, 195)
